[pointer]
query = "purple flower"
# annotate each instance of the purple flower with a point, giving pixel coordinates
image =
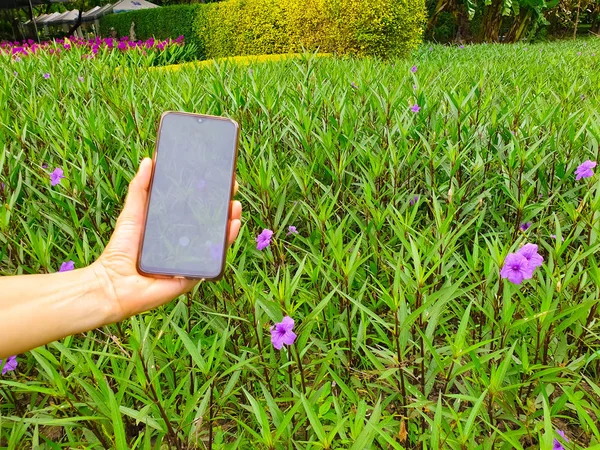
(263, 240)
(281, 333)
(67, 266)
(525, 226)
(534, 259)
(80, 79)
(585, 170)
(56, 175)
(44, 166)
(122, 45)
(413, 69)
(556, 445)
(413, 200)
(516, 268)
(415, 108)
(353, 84)
(292, 230)
(461, 46)
(553, 236)
(16, 73)
(414, 87)
(578, 53)
(17, 59)
(430, 48)
(46, 76)
(11, 364)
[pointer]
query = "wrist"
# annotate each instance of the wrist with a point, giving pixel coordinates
(43, 308)
(103, 294)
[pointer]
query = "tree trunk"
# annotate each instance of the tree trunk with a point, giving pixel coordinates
(517, 30)
(576, 20)
(491, 22)
(462, 22)
(595, 23)
(77, 23)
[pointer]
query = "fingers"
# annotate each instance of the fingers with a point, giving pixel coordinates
(234, 230)
(236, 210)
(235, 221)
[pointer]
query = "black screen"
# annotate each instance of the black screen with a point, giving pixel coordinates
(188, 211)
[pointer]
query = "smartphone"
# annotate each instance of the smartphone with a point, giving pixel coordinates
(187, 215)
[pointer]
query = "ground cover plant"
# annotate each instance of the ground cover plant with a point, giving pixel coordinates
(418, 264)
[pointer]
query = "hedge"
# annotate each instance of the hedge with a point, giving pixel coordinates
(161, 23)
(382, 28)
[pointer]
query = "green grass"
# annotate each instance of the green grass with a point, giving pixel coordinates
(407, 336)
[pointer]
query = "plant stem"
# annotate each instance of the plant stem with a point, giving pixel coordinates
(172, 437)
(210, 416)
(402, 386)
(301, 368)
(260, 355)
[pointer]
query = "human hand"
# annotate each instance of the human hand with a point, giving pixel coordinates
(129, 292)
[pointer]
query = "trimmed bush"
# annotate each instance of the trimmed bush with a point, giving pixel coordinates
(382, 28)
(161, 23)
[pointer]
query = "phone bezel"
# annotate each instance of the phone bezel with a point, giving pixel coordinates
(159, 273)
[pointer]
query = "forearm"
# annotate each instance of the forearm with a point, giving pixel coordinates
(37, 309)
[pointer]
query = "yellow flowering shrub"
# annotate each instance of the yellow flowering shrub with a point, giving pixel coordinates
(375, 27)
(216, 29)
(362, 27)
(306, 25)
(237, 60)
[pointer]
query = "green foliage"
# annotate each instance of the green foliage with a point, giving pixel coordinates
(161, 23)
(383, 28)
(487, 20)
(407, 336)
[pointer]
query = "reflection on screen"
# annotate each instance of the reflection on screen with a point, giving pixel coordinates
(187, 216)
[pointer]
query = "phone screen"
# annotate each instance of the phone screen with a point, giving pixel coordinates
(188, 209)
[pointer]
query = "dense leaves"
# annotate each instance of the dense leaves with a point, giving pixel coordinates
(254, 27)
(406, 334)
(159, 23)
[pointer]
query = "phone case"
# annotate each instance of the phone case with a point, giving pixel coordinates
(187, 275)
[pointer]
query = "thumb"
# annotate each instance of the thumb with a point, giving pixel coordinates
(135, 203)
(127, 234)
